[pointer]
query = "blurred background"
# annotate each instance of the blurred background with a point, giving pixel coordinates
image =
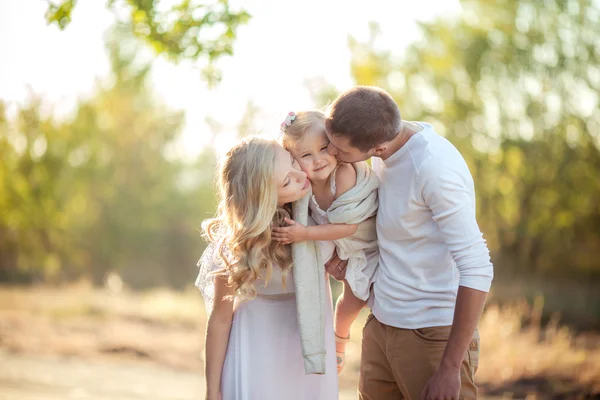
(113, 113)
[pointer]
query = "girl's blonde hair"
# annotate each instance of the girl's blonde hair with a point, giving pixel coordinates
(248, 209)
(304, 121)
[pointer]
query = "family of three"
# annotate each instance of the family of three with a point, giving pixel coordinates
(400, 234)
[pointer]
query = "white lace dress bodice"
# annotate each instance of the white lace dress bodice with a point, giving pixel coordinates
(275, 285)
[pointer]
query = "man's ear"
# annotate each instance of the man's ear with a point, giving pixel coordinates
(379, 150)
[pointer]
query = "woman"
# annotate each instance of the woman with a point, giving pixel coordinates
(253, 346)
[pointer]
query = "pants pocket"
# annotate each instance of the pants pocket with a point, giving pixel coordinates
(437, 334)
(473, 352)
(370, 318)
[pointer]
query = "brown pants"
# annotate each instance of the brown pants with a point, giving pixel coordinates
(397, 363)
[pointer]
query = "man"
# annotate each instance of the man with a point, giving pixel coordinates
(434, 273)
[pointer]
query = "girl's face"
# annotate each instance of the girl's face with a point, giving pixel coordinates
(292, 184)
(311, 153)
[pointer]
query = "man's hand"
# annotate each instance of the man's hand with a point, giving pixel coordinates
(336, 267)
(293, 233)
(443, 385)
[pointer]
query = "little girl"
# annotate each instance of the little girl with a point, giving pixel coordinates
(344, 205)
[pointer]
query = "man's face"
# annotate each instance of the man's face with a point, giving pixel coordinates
(341, 148)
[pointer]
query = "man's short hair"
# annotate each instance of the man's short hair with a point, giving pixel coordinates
(366, 115)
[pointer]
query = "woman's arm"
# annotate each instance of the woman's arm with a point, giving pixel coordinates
(297, 232)
(217, 337)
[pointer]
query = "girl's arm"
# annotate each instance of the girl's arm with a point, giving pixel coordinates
(345, 180)
(297, 232)
(217, 337)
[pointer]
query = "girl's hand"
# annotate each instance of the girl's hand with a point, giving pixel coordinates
(293, 233)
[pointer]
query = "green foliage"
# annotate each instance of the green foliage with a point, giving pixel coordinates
(95, 193)
(187, 30)
(60, 14)
(514, 85)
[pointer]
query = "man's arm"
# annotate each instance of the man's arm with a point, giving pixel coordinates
(445, 383)
(469, 306)
(448, 191)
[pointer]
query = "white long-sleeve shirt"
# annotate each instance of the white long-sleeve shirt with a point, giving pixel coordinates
(429, 239)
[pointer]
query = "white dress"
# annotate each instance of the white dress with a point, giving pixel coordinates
(264, 355)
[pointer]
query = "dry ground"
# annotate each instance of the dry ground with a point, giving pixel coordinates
(80, 342)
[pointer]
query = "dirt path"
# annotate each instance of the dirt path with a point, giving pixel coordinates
(24, 377)
(44, 378)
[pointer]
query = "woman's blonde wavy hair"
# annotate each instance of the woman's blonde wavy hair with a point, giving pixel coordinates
(241, 230)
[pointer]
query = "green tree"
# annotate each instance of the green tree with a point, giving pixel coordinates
(188, 29)
(514, 85)
(95, 193)
(31, 230)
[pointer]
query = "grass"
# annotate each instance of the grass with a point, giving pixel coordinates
(520, 355)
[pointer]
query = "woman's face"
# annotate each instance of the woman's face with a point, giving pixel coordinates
(292, 184)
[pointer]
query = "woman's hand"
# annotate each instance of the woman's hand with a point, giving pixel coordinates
(293, 233)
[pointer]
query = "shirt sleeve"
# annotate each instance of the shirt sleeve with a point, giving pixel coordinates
(449, 192)
(208, 265)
